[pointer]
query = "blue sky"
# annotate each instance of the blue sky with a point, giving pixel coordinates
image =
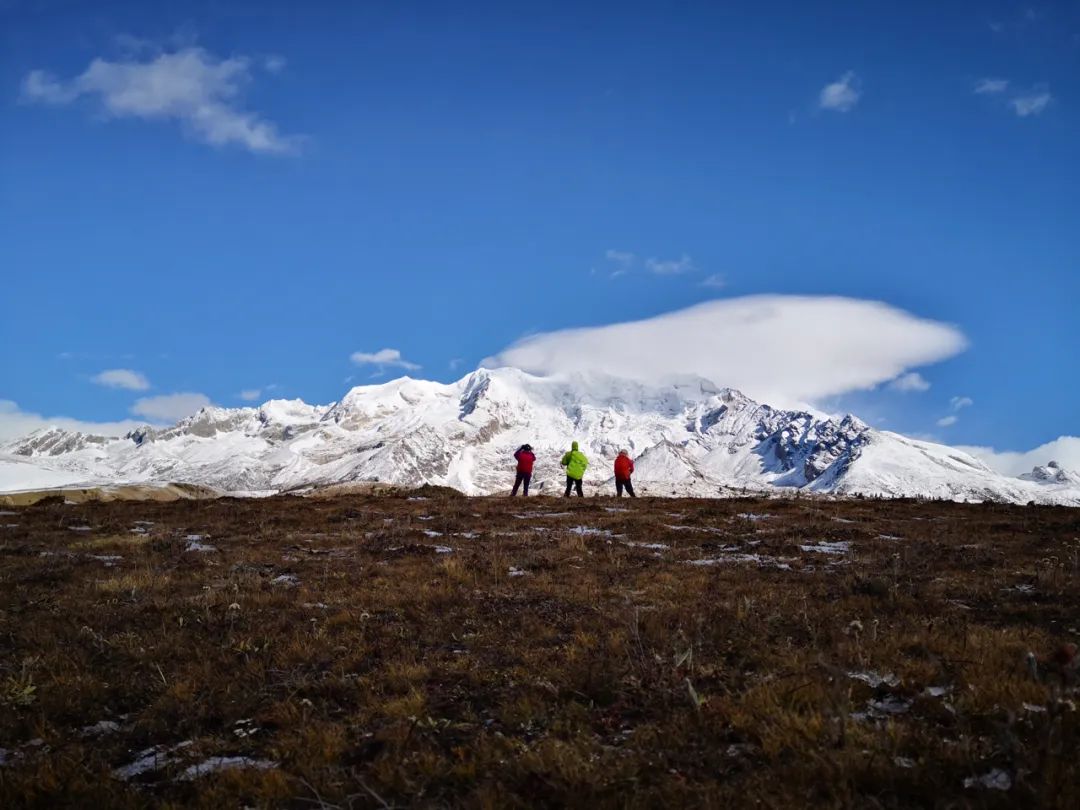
(229, 197)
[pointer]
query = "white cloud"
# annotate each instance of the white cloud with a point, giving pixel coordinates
(1065, 450)
(190, 86)
(961, 402)
(623, 260)
(1031, 104)
(912, 381)
(274, 64)
(784, 350)
(16, 423)
(947, 421)
(170, 407)
(454, 363)
(991, 86)
(619, 256)
(670, 267)
(122, 378)
(715, 281)
(383, 357)
(250, 394)
(842, 95)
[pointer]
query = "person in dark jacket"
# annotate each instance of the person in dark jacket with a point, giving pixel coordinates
(624, 468)
(525, 460)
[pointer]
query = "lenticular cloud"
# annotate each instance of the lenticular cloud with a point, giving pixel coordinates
(778, 349)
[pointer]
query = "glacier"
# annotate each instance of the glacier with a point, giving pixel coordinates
(689, 437)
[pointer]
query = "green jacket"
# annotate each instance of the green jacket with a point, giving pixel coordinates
(575, 463)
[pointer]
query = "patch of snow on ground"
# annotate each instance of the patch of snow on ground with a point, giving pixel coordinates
(195, 545)
(517, 572)
(245, 728)
(430, 533)
(825, 547)
(871, 678)
(753, 517)
(763, 561)
(996, 779)
(889, 537)
(285, 580)
(99, 728)
(214, 764)
(80, 528)
(889, 705)
(588, 530)
(151, 759)
(443, 550)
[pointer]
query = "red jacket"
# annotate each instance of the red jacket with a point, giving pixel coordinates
(525, 460)
(624, 466)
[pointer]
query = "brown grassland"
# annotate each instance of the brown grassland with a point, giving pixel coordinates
(432, 650)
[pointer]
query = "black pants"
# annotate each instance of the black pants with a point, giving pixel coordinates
(621, 485)
(573, 483)
(522, 478)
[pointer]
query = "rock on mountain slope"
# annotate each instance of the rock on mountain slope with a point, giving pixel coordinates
(689, 437)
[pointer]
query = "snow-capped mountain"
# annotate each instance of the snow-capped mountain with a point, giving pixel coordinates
(1053, 475)
(688, 437)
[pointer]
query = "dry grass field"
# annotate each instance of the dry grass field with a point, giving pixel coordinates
(432, 650)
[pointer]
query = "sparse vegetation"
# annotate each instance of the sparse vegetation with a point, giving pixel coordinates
(427, 649)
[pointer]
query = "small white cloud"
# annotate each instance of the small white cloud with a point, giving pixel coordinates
(842, 95)
(623, 257)
(170, 407)
(947, 421)
(383, 357)
(715, 281)
(122, 378)
(991, 86)
(961, 402)
(912, 381)
(670, 267)
(1031, 103)
(250, 394)
(190, 86)
(274, 64)
(455, 363)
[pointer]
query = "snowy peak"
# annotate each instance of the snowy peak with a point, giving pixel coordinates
(1053, 474)
(688, 436)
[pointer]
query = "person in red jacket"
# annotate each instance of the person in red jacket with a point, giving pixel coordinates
(624, 468)
(525, 460)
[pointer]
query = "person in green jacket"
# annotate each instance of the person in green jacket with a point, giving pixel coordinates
(575, 463)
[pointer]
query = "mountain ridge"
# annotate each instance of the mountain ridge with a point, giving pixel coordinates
(690, 437)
